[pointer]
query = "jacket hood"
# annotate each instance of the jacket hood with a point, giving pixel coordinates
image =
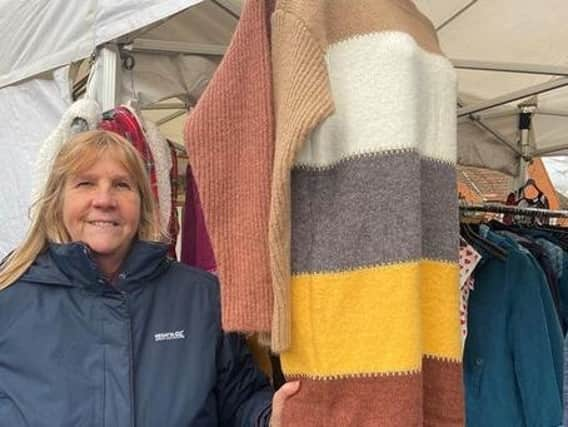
(72, 264)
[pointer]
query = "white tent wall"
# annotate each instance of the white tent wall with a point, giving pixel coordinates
(29, 110)
(177, 44)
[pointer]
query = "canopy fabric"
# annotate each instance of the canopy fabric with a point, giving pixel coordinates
(506, 31)
(39, 36)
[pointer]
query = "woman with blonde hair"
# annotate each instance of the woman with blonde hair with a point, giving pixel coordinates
(99, 327)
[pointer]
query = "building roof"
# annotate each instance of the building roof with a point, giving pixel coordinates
(477, 185)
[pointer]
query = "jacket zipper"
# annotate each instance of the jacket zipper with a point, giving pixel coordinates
(130, 359)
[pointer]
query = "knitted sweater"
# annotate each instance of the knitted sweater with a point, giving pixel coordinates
(364, 199)
(230, 144)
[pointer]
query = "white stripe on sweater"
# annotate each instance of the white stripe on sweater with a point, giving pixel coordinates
(389, 94)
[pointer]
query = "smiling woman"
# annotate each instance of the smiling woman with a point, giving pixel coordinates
(86, 162)
(91, 307)
(101, 207)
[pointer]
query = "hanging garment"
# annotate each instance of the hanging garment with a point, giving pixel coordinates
(469, 258)
(163, 166)
(543, 260)
(82, 115)
(565, 394)
(125, 123)
(513, 353)
(173, 226)
(229, 137)
(364, 216)
(195, 244)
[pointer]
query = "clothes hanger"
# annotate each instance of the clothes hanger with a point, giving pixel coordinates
(467, 232)
(521, 191)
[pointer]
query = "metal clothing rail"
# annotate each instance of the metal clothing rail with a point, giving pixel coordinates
(498, 208)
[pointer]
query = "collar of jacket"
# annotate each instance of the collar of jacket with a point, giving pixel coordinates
(72, 264)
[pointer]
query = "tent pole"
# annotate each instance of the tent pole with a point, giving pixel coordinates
(525, 119)
(108, 67)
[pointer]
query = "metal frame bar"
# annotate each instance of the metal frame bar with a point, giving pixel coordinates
(498, 208)
(173, 48)
(228, 7)
(510, 67)
(166, 106)
(170, 117)
(551, 112)
(550, 150)
(497, 114)
(455, 15)
(514, 96)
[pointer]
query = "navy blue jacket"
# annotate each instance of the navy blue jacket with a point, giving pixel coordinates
(146, 352)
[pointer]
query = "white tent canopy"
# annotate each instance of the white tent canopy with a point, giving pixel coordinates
(176, 45)
(512, 35)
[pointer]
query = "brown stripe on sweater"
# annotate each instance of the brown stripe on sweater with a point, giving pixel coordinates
(443, 393)
(337, 20)
(340, 219)
(393, 400)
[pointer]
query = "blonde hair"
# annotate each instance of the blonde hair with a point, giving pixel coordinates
(78, 153)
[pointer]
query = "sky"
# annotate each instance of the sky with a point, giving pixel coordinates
(557, 168)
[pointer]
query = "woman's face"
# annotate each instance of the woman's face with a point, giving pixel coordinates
(101, 207)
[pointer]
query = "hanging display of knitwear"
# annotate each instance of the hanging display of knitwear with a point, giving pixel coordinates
(229, 137)
(364, 209)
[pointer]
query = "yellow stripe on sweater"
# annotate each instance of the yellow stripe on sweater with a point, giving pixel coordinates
(371, 320)
(440, 310)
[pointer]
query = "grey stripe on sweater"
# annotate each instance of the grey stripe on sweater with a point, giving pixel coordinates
(373, 210)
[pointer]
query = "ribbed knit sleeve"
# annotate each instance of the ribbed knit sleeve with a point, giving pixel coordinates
(230, 144)
(302, 101)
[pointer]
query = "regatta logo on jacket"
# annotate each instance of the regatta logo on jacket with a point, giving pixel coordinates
(168, 336)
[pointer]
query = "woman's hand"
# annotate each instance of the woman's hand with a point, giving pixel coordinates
(280, 397)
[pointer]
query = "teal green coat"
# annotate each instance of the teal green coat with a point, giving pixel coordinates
(513, 352)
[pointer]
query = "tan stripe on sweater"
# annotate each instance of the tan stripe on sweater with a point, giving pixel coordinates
(336, 20)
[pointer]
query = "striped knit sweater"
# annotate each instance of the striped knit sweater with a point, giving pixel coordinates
(364, 199)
